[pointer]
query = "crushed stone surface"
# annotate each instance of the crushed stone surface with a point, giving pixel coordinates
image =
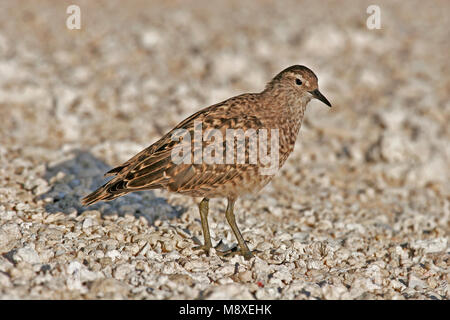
(360, 210)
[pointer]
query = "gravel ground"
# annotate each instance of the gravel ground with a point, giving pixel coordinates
(360, 210)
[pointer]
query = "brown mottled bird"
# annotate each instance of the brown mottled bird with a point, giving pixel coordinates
(278, 109)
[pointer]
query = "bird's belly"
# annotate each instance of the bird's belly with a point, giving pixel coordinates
(249, 181)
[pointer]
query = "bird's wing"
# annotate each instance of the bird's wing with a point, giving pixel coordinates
(147, 153)
(154, 168)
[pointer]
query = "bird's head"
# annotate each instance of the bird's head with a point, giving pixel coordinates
(299, 82)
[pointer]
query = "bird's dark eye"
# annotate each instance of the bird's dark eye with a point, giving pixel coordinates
(298, 82)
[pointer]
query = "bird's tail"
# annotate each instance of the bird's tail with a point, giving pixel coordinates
(101, 194)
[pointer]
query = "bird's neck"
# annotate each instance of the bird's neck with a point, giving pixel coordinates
(289, 112)
(283, 104)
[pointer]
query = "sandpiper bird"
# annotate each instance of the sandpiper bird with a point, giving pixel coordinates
(278, 109)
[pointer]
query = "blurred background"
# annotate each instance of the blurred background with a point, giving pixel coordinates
(372, 172)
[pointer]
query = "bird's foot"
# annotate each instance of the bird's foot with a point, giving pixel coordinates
(205, 248)
(221, 250)
(247, 254)
(218, 248)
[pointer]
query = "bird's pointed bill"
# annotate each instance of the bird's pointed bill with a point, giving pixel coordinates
(316, 94)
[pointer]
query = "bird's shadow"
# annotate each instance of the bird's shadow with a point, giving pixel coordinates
(81, 173)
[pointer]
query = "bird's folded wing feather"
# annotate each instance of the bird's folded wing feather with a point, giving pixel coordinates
(153, 167)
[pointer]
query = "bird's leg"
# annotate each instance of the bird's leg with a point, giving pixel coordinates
(232, 222)
(204, 208)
